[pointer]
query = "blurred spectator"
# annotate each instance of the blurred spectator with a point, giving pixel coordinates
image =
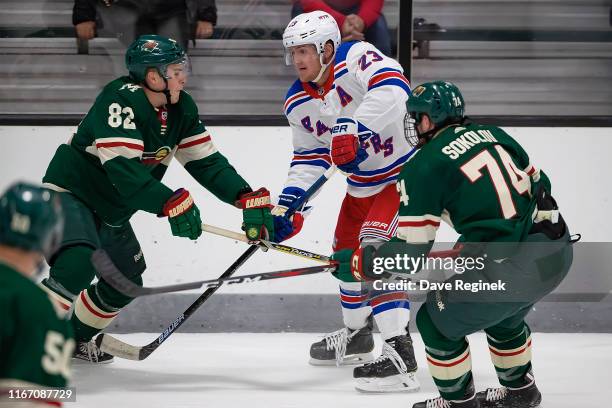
(357, 19)
(128, 19)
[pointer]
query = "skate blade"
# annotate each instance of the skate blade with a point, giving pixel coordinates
(353, 359)
(80, 361)
(394, 383)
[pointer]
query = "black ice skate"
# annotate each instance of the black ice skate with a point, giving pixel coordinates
(469, 401)
(344, 347)
(527, 396)
(393, 371)
(88, 351)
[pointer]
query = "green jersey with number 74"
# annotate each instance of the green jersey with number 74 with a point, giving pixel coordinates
(476, 178)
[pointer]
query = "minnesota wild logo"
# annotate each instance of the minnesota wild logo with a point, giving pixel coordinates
(418, 90)
(156, 156)
(150, 46)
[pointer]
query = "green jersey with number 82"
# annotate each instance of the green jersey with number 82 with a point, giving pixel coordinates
(36, 345)
(476, 178)
(116, 159)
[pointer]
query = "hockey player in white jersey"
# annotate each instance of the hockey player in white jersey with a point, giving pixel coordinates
(347, 108)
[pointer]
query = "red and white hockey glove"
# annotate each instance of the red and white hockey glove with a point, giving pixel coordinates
(346, 151)
(183, 215)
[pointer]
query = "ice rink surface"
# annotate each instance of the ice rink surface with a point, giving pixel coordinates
(271, 370)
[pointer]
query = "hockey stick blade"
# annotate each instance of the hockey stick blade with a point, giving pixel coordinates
(113, 276)
(124, 350)
(118, 348)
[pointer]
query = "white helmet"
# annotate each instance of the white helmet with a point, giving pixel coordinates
(316, 28)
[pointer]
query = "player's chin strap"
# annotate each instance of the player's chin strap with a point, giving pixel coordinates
(166, 91)
(323, 65)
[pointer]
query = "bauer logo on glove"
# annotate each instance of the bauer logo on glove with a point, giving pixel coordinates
(257, 202)
(346, 151)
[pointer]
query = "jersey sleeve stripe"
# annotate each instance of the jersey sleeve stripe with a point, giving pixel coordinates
(296, 103)
(108, 145)
(376, 78)
(320, 150)
(194, 142)
(109, 148)
(294, 97)
(195, 148)
(340, 70)
(533, 172)
(312, 157)
(418, 229)
(319, 163)
(340, 66)
(392, 82)
(423, 223)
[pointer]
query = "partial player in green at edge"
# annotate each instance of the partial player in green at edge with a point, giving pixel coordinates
(113, 166)
(36, 342)
(482, 183)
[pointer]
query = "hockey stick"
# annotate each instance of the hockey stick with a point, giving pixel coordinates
(118, 348)
(114, 277)
(302, 253)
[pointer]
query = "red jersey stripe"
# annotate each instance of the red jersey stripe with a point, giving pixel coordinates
(132, 146)
(194, 142)
(423, 223)
(385, 75)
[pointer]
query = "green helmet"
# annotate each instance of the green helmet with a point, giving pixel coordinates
(440, 100)
(31, 218)
(152, 51)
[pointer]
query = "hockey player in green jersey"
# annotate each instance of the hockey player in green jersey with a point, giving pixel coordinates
(36, 344)
(113, 166)
(481, 182)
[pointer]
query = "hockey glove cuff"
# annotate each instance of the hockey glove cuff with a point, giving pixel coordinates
(183, 215)
(355, 266)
